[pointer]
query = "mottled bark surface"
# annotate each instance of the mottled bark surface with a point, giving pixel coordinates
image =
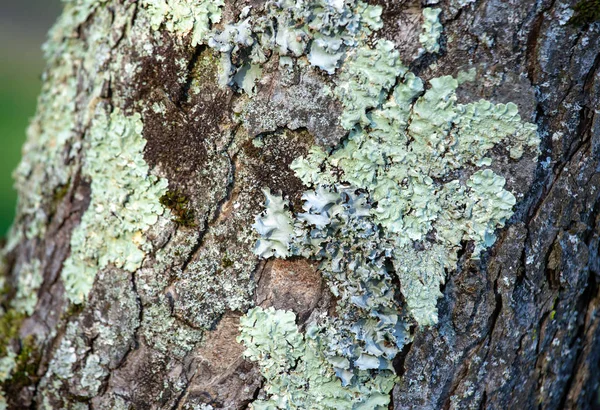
(517, 329)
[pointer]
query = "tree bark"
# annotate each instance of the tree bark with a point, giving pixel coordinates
(517, 328)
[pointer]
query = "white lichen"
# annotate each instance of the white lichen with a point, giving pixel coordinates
(124, 203)
(274, 227)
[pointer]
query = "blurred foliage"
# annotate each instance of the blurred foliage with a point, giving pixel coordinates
(19, 86)
(23, 27)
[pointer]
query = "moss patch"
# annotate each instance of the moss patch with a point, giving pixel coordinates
(586, 12)
(27, 361)
(10, 323)
(179, 204)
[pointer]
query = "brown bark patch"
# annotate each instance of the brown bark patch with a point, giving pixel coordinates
(294, 285)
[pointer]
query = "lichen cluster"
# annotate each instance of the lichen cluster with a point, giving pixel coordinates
(297, 373)
(184, 17)
(124, 203)
(385, 212)
(321, 30)
(393, 202)
(404, 166)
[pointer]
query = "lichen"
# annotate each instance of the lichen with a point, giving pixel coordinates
(320, 30)
(7, 364)
(367, 75)
(211, 286)
(393, 202)
(274, 227)
(124, 203)
(29, 280)
(184, 17)
(432, 30)
(46, 163)
(296, 371)
(403, 162)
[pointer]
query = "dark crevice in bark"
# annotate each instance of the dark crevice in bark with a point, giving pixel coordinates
(483, 400)
(531, 50)
(522, 270)
(184, 93)
(180, 398)
(255, 395)
(136, 336)
(445, 402)
(400, 359)
(583, 304)
(216, 213)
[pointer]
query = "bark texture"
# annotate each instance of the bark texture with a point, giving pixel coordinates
(518, 328)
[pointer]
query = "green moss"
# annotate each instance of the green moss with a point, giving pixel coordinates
(226, 262)
(26, 365)
(179, 205)
(10, 323)
(61, 191)
(585, 12)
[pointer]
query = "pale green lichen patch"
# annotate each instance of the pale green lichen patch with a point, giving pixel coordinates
(432, 30)
(185, 16)
(403, 159)
(7, 364)
(404, 187)
(366, 77)
(46, 157)
(336, 228)
(29, 280)
(296, 371)
(124, 203)
(42, 167)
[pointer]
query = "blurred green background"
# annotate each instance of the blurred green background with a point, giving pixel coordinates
(23, 28)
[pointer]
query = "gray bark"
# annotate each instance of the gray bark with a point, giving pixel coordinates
(517, 329)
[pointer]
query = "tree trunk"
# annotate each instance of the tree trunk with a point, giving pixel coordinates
(132, 263)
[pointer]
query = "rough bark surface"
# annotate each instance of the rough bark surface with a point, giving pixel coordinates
(517, 329)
